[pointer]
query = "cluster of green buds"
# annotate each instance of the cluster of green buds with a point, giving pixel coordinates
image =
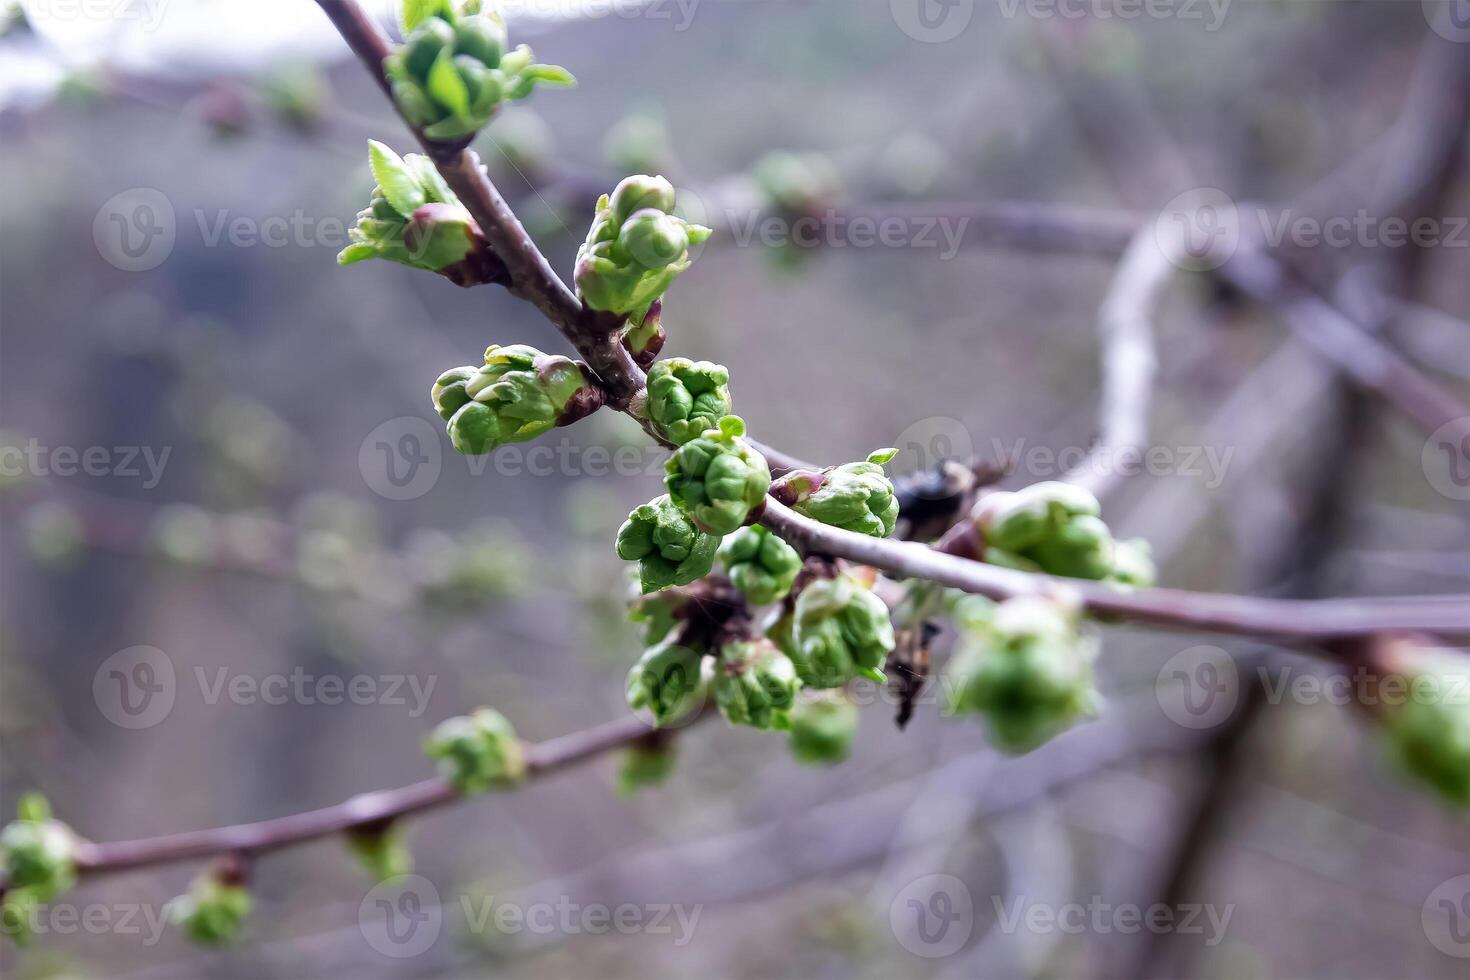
(478, 751)
(667, 545)
(840, 630)
(755, 684)
(1055, 528)
(668, 682)
(635, 248)
(823, 726)
(1025, 666)
(414, 219)
(1426, 724)
(854, 496)
(686, 398)
(516, 396)
(797, 183)
(453, 70)
(214, 910)
(761, 565)
(718, 478)
(37, 853)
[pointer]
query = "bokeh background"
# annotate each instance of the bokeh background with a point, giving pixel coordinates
(306, 516)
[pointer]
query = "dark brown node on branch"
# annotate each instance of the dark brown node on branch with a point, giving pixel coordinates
(232, 870)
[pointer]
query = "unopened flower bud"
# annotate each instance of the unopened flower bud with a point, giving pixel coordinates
(755, 684)
(668, 681)
(635, 248)
(453, 71)
(669, 548)
(686, 397)
(1027, 670)
(854, 496)
(760, 564)
(797, 183)
(823, 726)
(1427, 727)
(516, 396)
(641, 192)
(214, 911)
(1054, 527)
(718, 478)
(37, 851)
(478, 751)
(841, 631)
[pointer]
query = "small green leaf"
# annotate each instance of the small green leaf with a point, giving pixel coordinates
(356, 252)
(33, 806)
(395, 178)
(881, 456)
(446, 87)
(551, 75)
(416, 11)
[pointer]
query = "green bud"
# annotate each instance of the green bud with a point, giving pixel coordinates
(644, 765)
(760, 564)
(213, 913)
(823, 726)
(641, 192)
(755, 684)
(669, 548)
(453, 72)
(1133, 564)
(797, 183)
(718, 478)
(657, 613)
(686, 397)
(1427, 732)
(841, 631)
(1055, 528)
(667, 681)
(635, 248)
(440, 235)
(1027, 670)
(381, 850)
(412, 217)
(37, 852)
(518, 395)
(854, 496)
(477, 752)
